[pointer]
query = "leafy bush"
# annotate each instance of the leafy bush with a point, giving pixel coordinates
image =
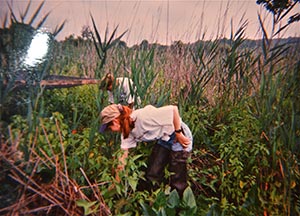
(78, 105)
(243, 156)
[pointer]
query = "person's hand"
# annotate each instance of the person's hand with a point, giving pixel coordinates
(183, 140)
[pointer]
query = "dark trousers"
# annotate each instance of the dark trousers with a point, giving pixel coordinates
(158, 160)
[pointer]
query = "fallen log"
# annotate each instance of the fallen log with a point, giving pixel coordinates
(57, 81)
(67, 83)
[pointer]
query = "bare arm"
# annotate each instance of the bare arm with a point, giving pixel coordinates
(183, 140)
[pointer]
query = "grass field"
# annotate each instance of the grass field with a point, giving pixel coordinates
(239, 97)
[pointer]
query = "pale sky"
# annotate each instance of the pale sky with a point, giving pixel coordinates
(158, 21)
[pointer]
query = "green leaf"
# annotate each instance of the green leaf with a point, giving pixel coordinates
(86, 206)
(189, 198)
(242, 184)
(132, 182)
(173, 200)
(160, 200)
(147, 210)
(189, 206)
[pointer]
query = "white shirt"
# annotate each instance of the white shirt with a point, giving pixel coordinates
(151, 123)
(125, 91)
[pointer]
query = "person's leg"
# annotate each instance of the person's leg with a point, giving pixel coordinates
(158, 160)
(178, 168)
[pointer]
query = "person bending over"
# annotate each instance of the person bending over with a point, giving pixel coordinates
(121, 87)
(173, 140)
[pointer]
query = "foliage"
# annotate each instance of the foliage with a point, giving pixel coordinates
(243, 156)
(280, 9)
(102, 47)
(86, 206)
(169, 203)
(144, 75)
(74, 57)
(78, 102)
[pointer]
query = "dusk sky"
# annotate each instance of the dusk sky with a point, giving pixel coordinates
(159, 21)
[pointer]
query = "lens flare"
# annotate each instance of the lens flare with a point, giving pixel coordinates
(38, 49)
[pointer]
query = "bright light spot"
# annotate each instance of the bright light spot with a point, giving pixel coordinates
(38, 49)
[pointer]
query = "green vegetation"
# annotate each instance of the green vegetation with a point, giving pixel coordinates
(239, 97)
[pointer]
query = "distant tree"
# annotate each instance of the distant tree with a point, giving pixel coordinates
(86, 32)
(144, 44)
(122, 44)
(281, 8)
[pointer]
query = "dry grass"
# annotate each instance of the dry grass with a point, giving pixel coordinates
(39, 194)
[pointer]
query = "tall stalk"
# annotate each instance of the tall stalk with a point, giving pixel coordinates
(103, 45)
(277, 109)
